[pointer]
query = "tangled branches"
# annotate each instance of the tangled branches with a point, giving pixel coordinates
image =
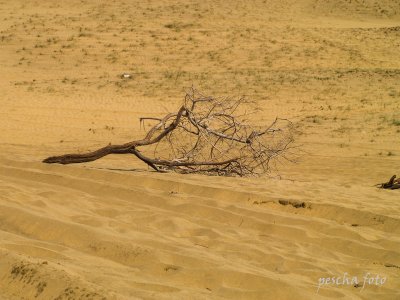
(206, 135)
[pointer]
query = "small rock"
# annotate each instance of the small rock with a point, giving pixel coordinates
(126, 76)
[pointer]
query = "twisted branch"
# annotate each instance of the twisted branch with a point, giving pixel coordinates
(206, 135)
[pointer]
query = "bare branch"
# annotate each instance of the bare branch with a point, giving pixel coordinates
(206, 135)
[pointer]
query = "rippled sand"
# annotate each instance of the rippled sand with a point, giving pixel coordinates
(113, 229)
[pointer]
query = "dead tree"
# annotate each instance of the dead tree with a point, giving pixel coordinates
(206, 135)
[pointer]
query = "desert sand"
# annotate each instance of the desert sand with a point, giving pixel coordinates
(115, 229)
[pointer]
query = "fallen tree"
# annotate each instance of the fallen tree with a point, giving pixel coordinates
(206, 135)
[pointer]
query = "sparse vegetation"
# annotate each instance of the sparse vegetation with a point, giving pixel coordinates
(396, 122)
(176, 26)
(335, 72)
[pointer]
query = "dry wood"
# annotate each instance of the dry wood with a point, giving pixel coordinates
(392, 184)
(206, 135)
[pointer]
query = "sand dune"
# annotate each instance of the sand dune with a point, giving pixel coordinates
(117, 234)
(113, 229)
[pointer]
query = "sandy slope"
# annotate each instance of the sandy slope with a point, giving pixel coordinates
(112, 229)
(123, 234)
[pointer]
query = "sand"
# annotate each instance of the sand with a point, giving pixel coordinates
(114, 229)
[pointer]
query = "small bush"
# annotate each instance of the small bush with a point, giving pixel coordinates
(396, 122)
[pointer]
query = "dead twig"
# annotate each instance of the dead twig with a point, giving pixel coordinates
(392, 184)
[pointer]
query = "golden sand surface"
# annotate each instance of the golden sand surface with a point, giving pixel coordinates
(114, 229)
